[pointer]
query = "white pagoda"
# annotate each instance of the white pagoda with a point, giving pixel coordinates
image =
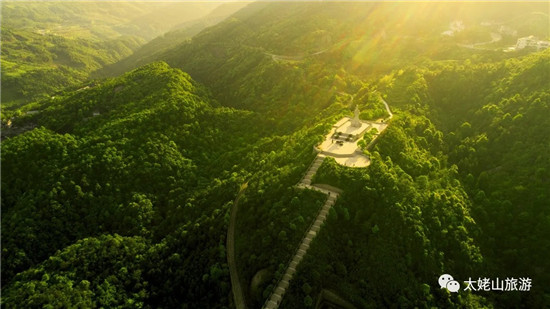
(355, 122)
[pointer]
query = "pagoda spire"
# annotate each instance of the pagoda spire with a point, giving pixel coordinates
(355, 122)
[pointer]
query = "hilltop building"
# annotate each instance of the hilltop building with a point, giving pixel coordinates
(341, 142)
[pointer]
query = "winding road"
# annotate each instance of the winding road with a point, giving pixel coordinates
(387, 106)
(294, 58)
(236, 289)
(495, 37)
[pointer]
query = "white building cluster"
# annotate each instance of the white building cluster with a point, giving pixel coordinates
(532, 42)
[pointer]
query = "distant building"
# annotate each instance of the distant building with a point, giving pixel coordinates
(543, 45)
(455, 27)
(531, 42)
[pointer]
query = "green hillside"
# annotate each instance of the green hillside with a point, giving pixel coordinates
(101, 20)
(35, 65)
(450, 180)
(320, 55)
(49, 46)
(154, 122)
(178, 35)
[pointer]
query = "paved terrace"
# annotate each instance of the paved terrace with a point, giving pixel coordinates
(348, 153)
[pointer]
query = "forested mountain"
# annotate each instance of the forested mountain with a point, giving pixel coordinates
(121, 194)
(470, 169)
(47, 46)
(160, 162)
(178, 35)
(335, 43)
(102, 20)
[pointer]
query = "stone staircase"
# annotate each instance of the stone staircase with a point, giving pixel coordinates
(277, 295)
(306, 180)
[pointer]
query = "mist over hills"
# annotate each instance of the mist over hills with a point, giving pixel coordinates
(48, 46)
(101, 20)
(117, 191)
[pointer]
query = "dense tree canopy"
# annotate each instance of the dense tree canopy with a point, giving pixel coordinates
(119, 192)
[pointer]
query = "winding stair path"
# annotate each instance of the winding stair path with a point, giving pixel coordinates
(277, 294)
